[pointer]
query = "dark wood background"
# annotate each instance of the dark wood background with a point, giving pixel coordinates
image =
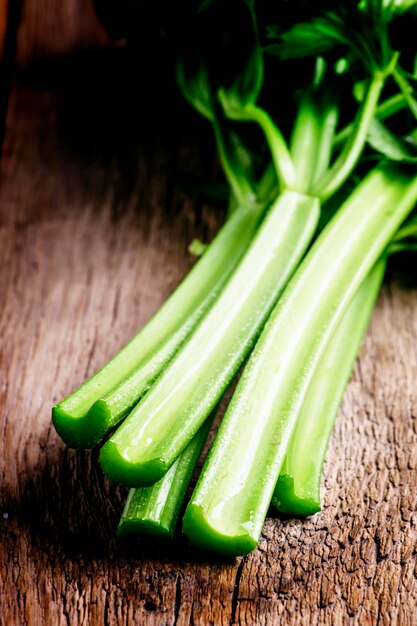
(98, 202)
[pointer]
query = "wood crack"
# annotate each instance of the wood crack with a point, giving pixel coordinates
(177, 606)
(235, 597)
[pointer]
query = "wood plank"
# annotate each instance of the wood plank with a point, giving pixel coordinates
(10, 13)
(93, 236)
(51, 28)
(4, 5)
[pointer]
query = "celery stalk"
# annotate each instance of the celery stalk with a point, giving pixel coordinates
(297, 491)
(305, 142)
(84, 417)
(230, 502)
(154, 509)
(150, 439)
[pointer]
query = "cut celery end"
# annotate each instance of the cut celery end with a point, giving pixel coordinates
(123, 471)
(155, 509)
(287, 501)
(240, 474)
(206, 537)
(164, 422)
(129, 374)
(301, 475)
(129, 528)
(84, 431)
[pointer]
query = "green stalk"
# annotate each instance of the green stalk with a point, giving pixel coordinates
(241, 188)
(297, 491)
(329, 115)
(304, 143)
(147, 443)
(84, 417)
(230, 502)
(197, 91)
(312, 138)
(280, 154)
(385, 110)
(268, 184)
(334, 177)
(154, 510)
(391, 106)
(406, 91)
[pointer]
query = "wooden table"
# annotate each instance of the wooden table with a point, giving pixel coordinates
(94, 226)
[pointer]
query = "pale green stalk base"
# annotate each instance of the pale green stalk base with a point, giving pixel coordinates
(158, 429)
(84, 417)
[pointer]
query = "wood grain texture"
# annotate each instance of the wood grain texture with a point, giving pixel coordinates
(4, 5)
(94, 228)
(51, 28)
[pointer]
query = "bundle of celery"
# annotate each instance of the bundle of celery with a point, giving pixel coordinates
(285, 281)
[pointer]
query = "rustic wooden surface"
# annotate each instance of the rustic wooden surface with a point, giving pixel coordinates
(3, 25)
(94, 228)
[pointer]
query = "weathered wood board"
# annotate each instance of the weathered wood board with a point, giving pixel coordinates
(94, 229)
